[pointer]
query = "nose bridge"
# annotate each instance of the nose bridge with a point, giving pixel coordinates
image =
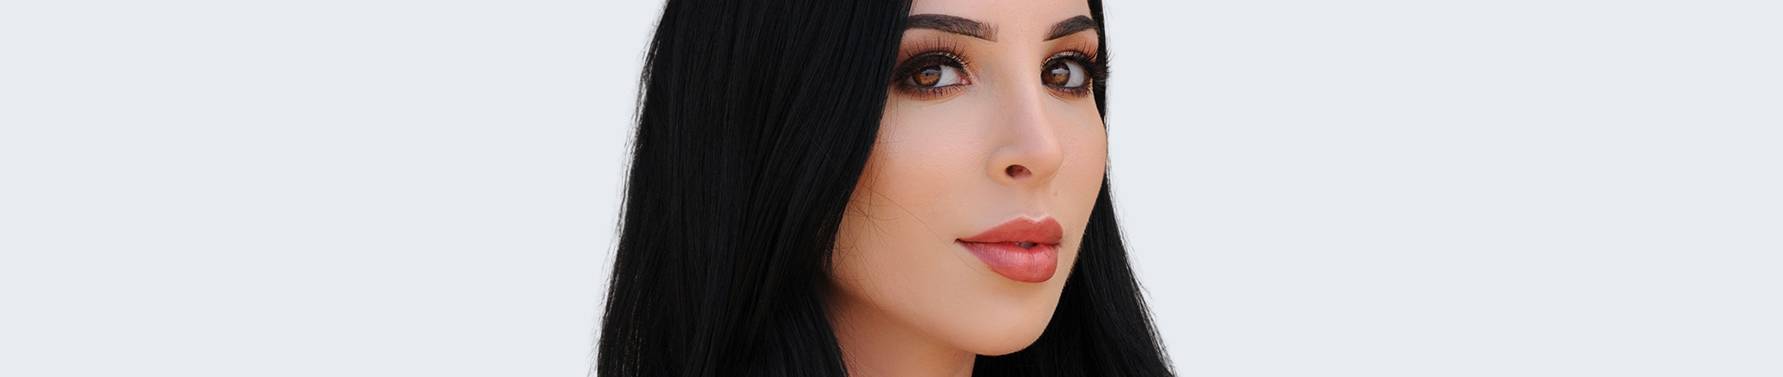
(1032, 151)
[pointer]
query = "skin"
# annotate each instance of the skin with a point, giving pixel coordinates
(906, 300)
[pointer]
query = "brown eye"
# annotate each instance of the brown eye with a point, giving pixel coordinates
(1064, 73)
(931, 75)
(935, 76)
(927, 76)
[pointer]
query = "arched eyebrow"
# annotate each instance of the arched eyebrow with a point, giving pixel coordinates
(1070, 26)
(953, 24)
(980, 30)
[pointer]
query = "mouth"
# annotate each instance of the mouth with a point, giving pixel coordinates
(1022, 249)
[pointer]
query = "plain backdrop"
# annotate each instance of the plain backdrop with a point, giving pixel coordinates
(1309, 188)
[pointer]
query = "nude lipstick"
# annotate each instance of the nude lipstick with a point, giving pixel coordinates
(1023, 249)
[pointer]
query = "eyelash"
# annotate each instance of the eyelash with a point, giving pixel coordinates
(943, 51)
(930, 52)
(1093, 67)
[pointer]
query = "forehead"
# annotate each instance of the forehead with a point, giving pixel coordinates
(1010, 17)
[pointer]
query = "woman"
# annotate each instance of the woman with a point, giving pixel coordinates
(874, 188)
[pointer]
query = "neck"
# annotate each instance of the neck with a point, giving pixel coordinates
(874, 345)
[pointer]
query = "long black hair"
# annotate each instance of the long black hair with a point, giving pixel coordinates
(755, 121)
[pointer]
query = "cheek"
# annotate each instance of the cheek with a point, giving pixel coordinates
(898, 226)
(895, 256)
(1088, 165)
(1079, 179)
(1086, 156)
(925, 185)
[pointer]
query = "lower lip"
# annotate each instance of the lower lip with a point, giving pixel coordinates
(1028, 265)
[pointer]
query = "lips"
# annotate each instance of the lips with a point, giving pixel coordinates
(1022, 249)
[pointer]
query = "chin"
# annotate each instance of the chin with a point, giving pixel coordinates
(1006, 334)
(1008, 347)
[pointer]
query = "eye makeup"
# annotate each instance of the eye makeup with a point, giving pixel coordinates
(1073, 71)
(937, 66)
(931, 68)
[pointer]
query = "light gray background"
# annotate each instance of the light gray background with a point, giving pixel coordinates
(1310, 188)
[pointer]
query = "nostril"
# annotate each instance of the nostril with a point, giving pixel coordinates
(1016, 171)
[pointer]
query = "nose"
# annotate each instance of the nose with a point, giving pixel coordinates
(1030, 152)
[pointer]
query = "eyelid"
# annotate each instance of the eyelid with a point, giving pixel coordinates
(919, 50)
(903, 73)
(917, 47)
(1094, 65)
(921, 60)
(1088, 49)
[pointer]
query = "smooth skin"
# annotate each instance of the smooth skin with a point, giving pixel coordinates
(960, 150)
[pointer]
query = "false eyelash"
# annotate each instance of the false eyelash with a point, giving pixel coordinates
(933, 44)
(910, 65)
(1091, 58)
(920, 54)
(1095, 69)
(920, 50)
(1098, 70)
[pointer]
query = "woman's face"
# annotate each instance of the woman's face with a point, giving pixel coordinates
(969, 214)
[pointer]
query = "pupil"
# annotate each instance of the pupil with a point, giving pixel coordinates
(1058, 74)
(928, 76)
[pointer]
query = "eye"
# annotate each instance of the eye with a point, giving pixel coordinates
(932, 75)
(935, 75)
(1065, 72)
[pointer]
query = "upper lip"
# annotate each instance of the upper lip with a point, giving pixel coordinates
(1043, 230)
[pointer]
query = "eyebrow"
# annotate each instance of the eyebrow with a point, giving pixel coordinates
(980, 30)
(952, 24)
(1070, 26)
